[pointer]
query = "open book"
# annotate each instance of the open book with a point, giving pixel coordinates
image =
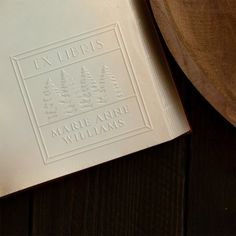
(82, 82)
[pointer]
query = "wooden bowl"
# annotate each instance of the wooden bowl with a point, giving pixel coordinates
(201, 34)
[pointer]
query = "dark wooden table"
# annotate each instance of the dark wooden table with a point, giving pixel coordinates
(184, 187)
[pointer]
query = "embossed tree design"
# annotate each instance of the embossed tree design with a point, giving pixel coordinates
(88, 87)
(109, 82)
(102, 98)
(49, 100)
(74, 91)
(94, 87)
(66, 100)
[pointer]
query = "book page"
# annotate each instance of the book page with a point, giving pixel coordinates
(77, 89)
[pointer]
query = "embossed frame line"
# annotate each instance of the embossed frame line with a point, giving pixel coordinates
(32, 115)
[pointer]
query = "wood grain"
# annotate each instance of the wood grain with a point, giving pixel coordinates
(201, 34)
(212, 179)
(15, 218)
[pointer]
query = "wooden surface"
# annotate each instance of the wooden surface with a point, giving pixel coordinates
(184, 187)
(201, 34)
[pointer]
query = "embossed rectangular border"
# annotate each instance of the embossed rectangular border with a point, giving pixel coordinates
(127, 61)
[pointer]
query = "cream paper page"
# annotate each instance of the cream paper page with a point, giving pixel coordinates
(77, 89)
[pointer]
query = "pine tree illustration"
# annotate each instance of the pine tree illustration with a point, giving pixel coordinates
(66, 100)
(94, 89)
(49, 100)
(102, 98)
(108, 81)
(94, 86)
(74, 91)
(87, 87)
